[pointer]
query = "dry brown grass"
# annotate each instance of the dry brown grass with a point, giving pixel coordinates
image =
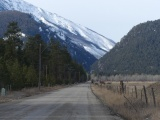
(137, 110)
(26, 92)
(33, 91)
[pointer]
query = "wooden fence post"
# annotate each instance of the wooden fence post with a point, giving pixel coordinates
(136, 91)
(128, 91)
(145, 94)
(154, 99)
(121, 87)
(141, 95)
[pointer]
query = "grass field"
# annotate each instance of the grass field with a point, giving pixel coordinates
(127, 104)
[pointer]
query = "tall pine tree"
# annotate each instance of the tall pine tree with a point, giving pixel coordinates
(13, 47)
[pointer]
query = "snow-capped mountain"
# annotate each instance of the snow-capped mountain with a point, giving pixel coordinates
(69, 32)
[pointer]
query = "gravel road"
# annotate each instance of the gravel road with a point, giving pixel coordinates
(73, 103)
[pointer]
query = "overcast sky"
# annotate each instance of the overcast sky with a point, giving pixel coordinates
(111, 18)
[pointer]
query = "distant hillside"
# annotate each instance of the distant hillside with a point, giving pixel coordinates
(138, 52)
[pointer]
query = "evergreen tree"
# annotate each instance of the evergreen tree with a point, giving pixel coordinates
(2, 48)
(4, 74)
(16, 75)
(31, 50)
(13, 43)
(31, 76)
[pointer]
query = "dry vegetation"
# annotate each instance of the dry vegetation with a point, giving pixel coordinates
(127, 104)
(26, 92)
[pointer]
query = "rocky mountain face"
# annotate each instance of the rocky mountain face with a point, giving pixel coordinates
(84, 45)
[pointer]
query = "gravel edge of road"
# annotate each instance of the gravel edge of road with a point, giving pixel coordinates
(6, 99)
(105, 105)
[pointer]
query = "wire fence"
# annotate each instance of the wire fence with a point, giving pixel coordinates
(146, 95)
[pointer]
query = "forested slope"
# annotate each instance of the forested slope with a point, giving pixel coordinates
(137, 53)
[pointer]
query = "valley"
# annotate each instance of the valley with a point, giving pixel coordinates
(52, 67)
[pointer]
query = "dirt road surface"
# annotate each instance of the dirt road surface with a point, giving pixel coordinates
(73, 103)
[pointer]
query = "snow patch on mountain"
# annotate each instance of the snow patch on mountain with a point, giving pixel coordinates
(94, 43)
(40, 29)
(94, 50)
(23, 35)
(61, 35)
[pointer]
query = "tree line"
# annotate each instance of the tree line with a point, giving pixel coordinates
(20, 66)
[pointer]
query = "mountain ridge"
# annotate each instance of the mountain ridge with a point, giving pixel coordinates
(87, 39)
(136, 53)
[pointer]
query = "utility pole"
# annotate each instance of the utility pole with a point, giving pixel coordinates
(46, 72)
(79, 76)
(39, 81)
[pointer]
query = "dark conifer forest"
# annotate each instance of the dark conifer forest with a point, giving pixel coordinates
(23, 62)
(137, 53)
